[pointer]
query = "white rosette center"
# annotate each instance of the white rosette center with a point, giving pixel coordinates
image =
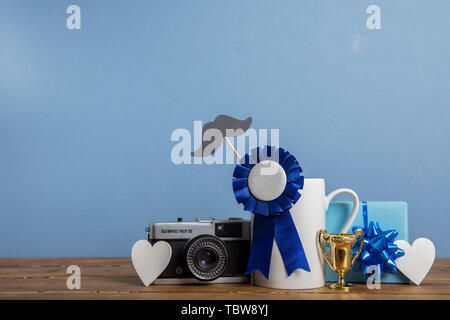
(267, 180)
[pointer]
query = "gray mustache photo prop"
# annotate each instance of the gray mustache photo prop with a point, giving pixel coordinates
(228, 127)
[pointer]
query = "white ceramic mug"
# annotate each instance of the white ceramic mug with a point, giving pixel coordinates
(309, 217)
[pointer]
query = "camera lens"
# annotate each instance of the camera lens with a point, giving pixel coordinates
(206, 257)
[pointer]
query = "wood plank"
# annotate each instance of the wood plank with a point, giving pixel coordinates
(115, 278)
(115, 267)
(211, 296)
(52, 262)
(133, 284)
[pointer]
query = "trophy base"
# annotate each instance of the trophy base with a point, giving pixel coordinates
(341, 287)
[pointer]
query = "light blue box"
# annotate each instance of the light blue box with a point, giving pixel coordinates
(389, 214)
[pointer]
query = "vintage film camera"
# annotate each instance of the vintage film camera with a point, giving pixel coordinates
(204, 251)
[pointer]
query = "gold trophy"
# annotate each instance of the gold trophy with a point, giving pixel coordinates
(340, 259)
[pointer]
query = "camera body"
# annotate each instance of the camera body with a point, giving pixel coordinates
(204, 251)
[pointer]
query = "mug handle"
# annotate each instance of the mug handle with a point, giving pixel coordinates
(355, 205)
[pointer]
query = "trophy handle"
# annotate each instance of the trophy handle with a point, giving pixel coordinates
(322, 247)
(360, 235)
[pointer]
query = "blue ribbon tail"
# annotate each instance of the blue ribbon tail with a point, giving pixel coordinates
(289, 243)
(261, 252)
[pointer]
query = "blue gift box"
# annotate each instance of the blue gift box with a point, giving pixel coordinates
(389, 214)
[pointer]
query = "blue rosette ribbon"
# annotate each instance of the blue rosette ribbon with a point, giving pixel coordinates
(272, 219)
(379, 248)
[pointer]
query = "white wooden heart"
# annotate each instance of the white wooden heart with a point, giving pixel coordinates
(150, 261)
(418, 259)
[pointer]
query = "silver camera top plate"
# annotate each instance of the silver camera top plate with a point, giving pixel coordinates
(189, 229)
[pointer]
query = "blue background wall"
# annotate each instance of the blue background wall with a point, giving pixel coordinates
(86, 115)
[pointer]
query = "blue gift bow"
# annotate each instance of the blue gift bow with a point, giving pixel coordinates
(272, 219)
(379, 248)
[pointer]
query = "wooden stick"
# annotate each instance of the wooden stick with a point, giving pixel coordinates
(232, 148)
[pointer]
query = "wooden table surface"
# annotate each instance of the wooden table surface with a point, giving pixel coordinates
(115, 278)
